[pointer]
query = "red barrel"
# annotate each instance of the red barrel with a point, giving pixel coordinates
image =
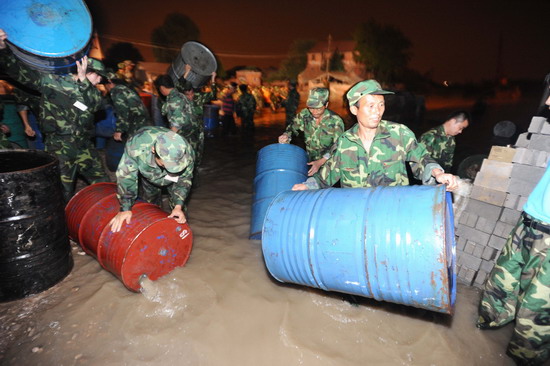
(152, 245)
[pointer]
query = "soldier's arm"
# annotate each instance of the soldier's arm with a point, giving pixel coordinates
(90, 94)
(19, 71)
(127, 180)
(180, 190)
(296, 125)
(418, 154)
(337, 131)
(329, 172)
(122, 104)
(176, 118)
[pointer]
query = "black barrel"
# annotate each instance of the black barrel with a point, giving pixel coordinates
(34, 247)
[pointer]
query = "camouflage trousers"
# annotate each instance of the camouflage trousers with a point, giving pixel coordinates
(519, 288)
(4, 142)
(76, 156)
(152, 193)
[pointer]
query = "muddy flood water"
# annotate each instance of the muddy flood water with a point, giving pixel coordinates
(224, 308)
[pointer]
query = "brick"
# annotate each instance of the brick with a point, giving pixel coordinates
(536, 124)
(486, 266)
(522, 156)
(469, 248)
(545, 129)
(527, 173)
(472, 220)
(478, 251)
(489, 253)
(488, 195)
(486, 225)
(461, 243)
(484, 209)
(503, 229)
(502, 153)
(511, 201)
(510, 216)
(520, 187)
(521, 202)
(494, 175)
(496, 242)
(472, 234)
(523, 140)
(470, 262)
(540, 142)
(542, 159)
(481, 277)
(470, 274)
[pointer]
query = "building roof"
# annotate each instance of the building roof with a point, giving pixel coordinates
(342, 46)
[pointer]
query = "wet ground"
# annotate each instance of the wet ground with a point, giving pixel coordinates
(223, 307)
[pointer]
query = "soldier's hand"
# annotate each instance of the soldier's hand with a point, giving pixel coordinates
(177, 213)
(3, 37)
(117, 136)
(81, 68)
(283, 139)
(5, 129)
(29, 131)
(448, 179)
(300, 187)
(315, 165)
(117, 221)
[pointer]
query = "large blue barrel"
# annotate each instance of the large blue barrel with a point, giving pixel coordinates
(48, 35)
(211, 118)
(390, 243)
(278, 168)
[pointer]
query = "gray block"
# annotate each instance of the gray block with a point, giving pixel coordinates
(460, 243)
(472, 234)
(486, 225)
(541, 159)
(472, 219)
(469, 248)
(536, 124)
(480, 278)
(545, 129)
(522, 140)
(521, 203)
(489, 254)
(523, 156)
(540, 142)
(488, 195)
(486, 266)
(520, 187)
(510, 216)
(471, 262)
(527, 173)
(496, 242)
(464, 217)
(484, 209)
(503, 229)
(478, 251)
(494, 174)
(511, 201)
(470, 274)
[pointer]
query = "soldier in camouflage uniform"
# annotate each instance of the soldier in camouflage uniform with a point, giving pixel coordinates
(67, 105)
(291, 102)
(245, 108)
(4, 142)
(440, 141)
(154, 157)
(519, 284)
(374, 152)
(129, 108)
(321, 127)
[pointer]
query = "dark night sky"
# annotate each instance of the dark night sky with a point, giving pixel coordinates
(456, 41)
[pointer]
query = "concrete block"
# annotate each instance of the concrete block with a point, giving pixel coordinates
(545, 129)
(523, 140)
(540, 142)
(469, 248)
(488, 253)
(472, 220)
(502, 153)
(542, 159)
(483, 209)
(462, 272)
(536, 124)
(510, 216)
(523, 156)
(496, 242)
(521, 202)
(472, 234)
(511, 201)
(486, 225)
(494, 175)
(488, 195)
(487, 266)
(461, 243)
(478, 251)
(503, 229)
(480, 278)
(470, 274)
(464, 217)
(520, 187)
(470, 262)
(527, 173)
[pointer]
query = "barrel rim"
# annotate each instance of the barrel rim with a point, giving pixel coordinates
(55, 160)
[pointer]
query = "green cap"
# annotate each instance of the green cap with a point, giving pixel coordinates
(96, 66)
(363, 88)
(318, 97)
(169, 146)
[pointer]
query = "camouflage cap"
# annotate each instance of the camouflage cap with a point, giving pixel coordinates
(363, 88)
(170, 148)
(318, 97)
(96, 66)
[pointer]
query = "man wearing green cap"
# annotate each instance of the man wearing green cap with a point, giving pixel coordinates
(67, 107)
(321, 127)
(374, 152)
(154, 157)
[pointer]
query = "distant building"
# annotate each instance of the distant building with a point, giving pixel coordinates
(315, 73)
(249, 77)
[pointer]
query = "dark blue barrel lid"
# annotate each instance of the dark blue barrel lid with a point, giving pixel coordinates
(54, 28)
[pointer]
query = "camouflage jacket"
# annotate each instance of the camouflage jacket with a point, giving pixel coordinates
(180, 113)
(130, 111)
(291, 102)
(246, 106)
(318, 139)
(383, 165)
(67, 106)
(138, 160)
(440, 146)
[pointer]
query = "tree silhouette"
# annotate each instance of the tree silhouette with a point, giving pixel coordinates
(121, 51)
(296, 60)
(171, 35)
(335, 62)
(383, 49)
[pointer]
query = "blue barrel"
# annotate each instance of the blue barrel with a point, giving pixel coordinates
(278, 168)
(211, 118)
(48, 35)
(393, 244)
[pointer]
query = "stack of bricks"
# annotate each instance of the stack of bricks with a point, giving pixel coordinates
(496, 201)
